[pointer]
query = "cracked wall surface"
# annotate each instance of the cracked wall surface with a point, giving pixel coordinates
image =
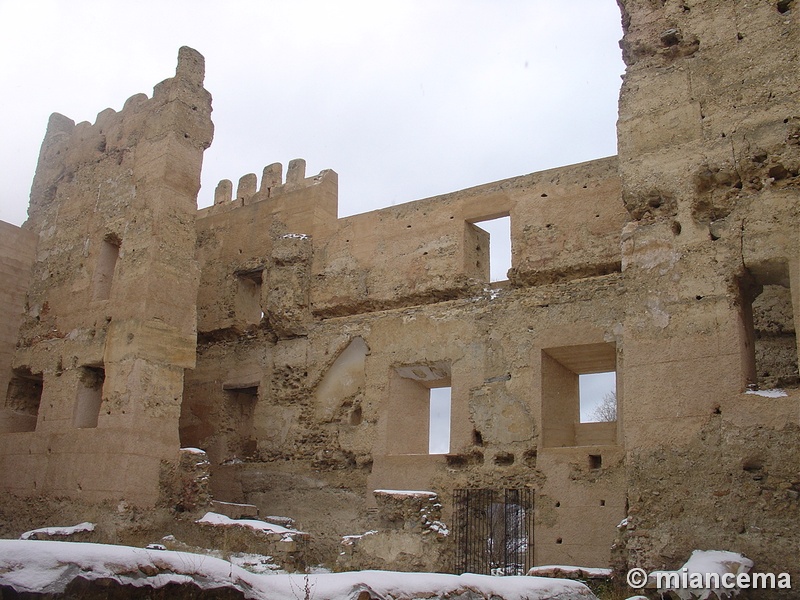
(299, 349)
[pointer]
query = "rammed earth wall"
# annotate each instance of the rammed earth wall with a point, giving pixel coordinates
(298, 349)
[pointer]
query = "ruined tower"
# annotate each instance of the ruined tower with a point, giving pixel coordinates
(109, 323)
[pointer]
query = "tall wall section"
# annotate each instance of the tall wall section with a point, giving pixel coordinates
(109, 323)
(17, 253)
(709, 158)
(319, 340)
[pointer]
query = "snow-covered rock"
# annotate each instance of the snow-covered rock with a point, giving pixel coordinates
(570, 572)
(219, 520)
(44, 566)
(47, 532)
(705, 565)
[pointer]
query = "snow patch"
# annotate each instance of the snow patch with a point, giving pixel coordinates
(415, 493)
(570, 572)
(45, 566)
(218, 520)
(773, 393)
(703, 562)
(51, 531)
(349, 540)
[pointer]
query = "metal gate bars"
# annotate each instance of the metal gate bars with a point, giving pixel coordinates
(493, 531)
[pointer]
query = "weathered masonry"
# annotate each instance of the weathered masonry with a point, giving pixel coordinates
(303, 351)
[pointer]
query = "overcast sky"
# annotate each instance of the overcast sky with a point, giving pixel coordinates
(404, 99)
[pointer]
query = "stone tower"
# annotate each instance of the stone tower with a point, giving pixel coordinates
(110, 322)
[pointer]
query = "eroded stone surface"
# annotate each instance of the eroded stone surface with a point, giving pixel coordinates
(318, 339)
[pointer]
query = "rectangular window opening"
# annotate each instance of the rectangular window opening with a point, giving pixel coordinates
(499, 232)
(768, 319)
(419, 409)
(89, 397)
(439, 422)
(598, 397)
(579, 395)
(104, 271)
(23, 397)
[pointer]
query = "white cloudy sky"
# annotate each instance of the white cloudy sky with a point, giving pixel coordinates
(404, 99)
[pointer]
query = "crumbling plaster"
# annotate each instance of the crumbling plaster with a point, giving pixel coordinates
(677, 260)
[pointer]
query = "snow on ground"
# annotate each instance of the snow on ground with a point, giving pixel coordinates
(415, 493)
(773, 393)
(255, 563)
(45, 566)
(570, 572)
(216, 519)
(51, 531)
(349, 540)
(705, 562)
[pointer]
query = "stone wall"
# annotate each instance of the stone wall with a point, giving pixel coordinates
(319, 340)
(109, 325)
(314, 390)
(709, 162)
(17, 252)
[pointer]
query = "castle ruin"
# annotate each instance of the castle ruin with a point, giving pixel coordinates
(299, 350)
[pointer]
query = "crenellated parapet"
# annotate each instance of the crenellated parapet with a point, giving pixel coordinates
(272, 185)
(109, 324)
(179, 109)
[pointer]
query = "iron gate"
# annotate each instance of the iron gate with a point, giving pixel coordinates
(493, 531)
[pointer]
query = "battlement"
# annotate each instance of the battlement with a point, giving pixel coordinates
(272, 185)
(179, 109)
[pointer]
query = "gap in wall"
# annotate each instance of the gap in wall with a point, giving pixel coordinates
(439, 423)
(499, 231)
(598, 397)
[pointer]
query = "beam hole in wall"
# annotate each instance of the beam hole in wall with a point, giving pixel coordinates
(477, 438)
(106, 265)
(504, 459)
(89, 397)
(595, 461)
(355, 416)
(499, 231)
(23, 397)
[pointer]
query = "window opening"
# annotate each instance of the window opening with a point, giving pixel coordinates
(419, 409)
(565, 371)
(23, 397)
(104, 271)
(499, 231)
(598, 397)
(89, 397)
(439, 423)
(768, 316)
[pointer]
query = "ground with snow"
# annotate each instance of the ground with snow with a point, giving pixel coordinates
(46, 566)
